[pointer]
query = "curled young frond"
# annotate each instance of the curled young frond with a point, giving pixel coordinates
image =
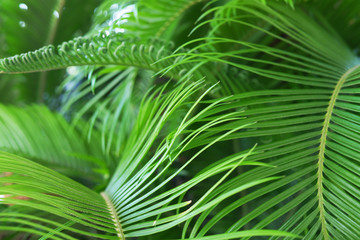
(113, 49)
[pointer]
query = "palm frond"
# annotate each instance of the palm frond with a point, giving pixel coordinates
(306, 48)
(307, 124)
(145, 19)
(309, 151)
(116, 211)
(112, 109)
(52, 193)
(56, 143)
(99, 50)
(313, 132)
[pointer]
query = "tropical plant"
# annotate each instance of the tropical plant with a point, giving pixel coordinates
(181, 119)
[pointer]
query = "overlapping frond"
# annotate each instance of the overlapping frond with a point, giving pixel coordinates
(308, 129)
(114, 49)
(292, 47)
(54, 194)
(37, 133)
(145, 19)
(305, 141)
(78, 208)
(312, 132)
(311, 139)
(113, 108)
(131, 205)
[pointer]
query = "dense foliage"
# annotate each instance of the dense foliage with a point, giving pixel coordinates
(184, 119)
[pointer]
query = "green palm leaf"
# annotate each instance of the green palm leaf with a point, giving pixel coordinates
(112, 109)
(98, 50)
(56, 143)
(314, 131)
(116, 212)
(147, 19)
(307, 124)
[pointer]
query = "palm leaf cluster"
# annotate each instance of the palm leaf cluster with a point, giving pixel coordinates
(229, 119)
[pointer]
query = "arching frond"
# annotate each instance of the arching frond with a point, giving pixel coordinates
(313, 133)
(112, 109)
(130, 206)
(99, 50)
(306, 147)
(56, 143)
(300, 50)
(303, 112)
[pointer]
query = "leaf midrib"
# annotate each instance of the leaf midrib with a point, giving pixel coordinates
(114, 216)
(322, 147)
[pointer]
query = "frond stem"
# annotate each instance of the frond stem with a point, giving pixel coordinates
(322, 147)
(119, 230)
(49, 40)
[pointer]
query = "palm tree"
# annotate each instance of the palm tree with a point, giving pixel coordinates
(185, 119)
